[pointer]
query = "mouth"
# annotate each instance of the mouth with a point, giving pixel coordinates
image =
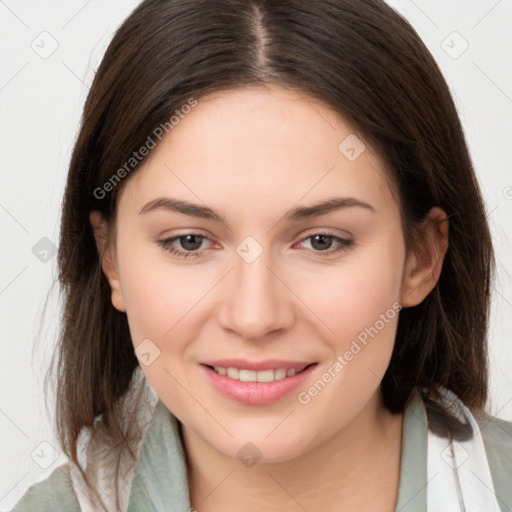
(256, 383)
(246, 375)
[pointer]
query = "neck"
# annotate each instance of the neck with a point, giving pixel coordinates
(336, 475)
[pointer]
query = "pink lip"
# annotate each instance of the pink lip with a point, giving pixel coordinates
(256, 393)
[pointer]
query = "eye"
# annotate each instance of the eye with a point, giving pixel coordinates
(322, 242)
(190, 242)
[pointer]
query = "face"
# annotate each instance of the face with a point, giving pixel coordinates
(267, 285)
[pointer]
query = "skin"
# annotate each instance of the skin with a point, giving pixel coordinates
(253, 154)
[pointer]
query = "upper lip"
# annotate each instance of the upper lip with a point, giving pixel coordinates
(268, 364)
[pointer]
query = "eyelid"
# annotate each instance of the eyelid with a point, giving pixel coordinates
(343, 242)
(327, 231)
(171, 239)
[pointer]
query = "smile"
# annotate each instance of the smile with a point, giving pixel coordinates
(256, 383)
(257, 376)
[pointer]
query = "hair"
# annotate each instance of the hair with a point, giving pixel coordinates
(365, 62)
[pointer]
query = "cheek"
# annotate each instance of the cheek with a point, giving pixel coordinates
(352, 297)
(159, 295)
(360, 302)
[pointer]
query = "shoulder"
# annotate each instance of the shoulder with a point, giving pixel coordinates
(53, 494)
(494, 429)
(497, 437)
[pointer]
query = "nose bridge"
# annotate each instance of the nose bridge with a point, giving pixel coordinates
(257, 303)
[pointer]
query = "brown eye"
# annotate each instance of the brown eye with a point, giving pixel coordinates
(190, 242)
(322, 242)
(189, 245)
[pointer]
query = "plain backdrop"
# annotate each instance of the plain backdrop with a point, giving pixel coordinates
(49, 52)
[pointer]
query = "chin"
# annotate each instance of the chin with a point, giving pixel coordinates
(268, 449)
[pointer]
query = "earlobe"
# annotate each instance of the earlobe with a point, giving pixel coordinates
(423, 266)
(107, 258)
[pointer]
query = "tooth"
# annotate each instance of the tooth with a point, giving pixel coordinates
(265, 376)
(233, 373)
(247, 375)
(280, 374)
(256, 376)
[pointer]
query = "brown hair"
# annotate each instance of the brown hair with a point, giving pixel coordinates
(365, 62)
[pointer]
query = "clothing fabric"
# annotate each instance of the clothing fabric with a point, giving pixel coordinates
(458, 471)
(435, 475)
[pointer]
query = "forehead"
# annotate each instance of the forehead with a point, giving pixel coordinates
(264, 147)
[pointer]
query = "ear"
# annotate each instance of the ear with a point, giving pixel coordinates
(107, 255)
(423, 266)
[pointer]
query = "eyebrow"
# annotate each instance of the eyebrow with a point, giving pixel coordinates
(299, 213)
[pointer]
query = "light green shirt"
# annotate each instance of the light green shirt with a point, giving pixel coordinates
(160, 479)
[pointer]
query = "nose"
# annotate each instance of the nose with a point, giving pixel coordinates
(257, 302)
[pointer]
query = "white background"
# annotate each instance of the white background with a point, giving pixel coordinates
(41, 101)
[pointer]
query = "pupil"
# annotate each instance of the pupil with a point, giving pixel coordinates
(187, 238)
(322, 238)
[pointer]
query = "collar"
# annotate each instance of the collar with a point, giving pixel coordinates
(160, 478)
(412, 489)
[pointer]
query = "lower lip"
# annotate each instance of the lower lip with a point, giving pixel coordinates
(256, 393)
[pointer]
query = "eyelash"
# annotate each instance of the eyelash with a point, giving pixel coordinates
(166, 244)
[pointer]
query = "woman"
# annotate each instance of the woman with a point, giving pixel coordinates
(277, 269)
